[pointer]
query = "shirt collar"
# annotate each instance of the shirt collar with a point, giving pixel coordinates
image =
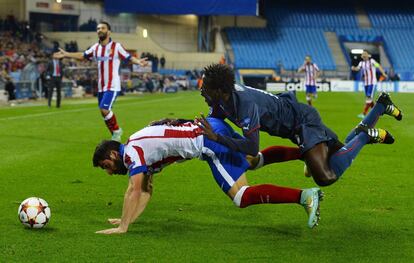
(110, 41)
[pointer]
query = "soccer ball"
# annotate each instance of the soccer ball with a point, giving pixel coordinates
(34, 212)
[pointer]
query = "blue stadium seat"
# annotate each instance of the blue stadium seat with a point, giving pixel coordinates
(292, 32)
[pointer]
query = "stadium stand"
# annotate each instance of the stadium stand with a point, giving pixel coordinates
(293, 32)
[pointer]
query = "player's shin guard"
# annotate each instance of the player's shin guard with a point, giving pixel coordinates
(343, 158)
(370, 120)
(111, 123)
(266, 194)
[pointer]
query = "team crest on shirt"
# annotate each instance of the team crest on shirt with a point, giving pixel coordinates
(245, 123)
(128, 161)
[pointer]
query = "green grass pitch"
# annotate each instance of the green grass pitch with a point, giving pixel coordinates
(367, 216)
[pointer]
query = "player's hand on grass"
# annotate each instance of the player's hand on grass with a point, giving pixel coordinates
(206, 127)
(111, 231)
(114, 221)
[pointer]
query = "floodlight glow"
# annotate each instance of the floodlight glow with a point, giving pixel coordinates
(357, 51)
(145, 33)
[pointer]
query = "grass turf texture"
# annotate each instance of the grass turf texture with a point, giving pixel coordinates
(367, 216)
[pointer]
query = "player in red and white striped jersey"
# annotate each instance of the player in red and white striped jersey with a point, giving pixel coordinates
(369, 67)
(108, 55)
(150, 149)
(311, 74)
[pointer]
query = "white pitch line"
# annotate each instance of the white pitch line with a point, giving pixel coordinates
(83, 109)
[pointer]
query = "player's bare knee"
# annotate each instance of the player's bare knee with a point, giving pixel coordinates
(325, 179)
(104, 112)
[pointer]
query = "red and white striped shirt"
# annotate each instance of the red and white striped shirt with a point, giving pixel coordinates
(109, 59)
(154, 147)
(310, 73)
(369, 71)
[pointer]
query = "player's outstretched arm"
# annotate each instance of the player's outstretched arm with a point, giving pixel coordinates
(248, 144)
(355, 68)
(142, 62)
(381, 69)
(143, 200)
(132, 204)
(64, 54)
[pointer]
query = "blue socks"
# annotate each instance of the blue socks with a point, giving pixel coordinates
(370, 120)
(343, 158)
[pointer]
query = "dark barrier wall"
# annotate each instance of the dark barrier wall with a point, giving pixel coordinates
(181, 7)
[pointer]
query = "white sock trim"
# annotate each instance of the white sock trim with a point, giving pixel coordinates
(260, 162)
(238, 197)
(108, 116)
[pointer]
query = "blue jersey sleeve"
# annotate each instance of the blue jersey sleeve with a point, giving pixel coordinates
(250, 123)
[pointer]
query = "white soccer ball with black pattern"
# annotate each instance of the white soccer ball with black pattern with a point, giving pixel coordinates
(34, 212)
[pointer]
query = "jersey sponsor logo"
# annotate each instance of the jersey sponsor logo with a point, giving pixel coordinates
(104, 58)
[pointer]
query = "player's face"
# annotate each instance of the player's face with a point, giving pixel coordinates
(102, 31)
(308, 60)
(114, 166)
(365, 55)
(210, 95)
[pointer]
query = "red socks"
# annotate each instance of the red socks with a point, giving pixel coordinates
(367, 106)
(276, 154)
(267, 193)
(111, 122)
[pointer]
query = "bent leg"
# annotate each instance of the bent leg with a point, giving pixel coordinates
(106, 100)
(244, 195)
(273, 154)
(316, 160)
(370, 120)
(343, 158)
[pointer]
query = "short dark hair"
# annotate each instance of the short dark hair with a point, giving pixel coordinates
(105, 23)
(219, 77)
(103, 151)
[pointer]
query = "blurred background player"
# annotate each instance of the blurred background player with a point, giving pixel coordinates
(164, 142)
(108, 54)
(368, 66)
(311, 74)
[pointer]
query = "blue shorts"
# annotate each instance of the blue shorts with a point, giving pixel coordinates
(226, 165)
(370, 90)
(106, 99)
(311, 131)
(310, 89)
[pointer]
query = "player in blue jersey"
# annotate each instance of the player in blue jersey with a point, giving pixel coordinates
(149, 150)
(282, 115)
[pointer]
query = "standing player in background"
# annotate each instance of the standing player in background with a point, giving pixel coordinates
(311, 74)
(368, 66)
(108, 54)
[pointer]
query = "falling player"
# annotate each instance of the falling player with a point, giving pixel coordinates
(369, 66)
(311, 74)
(283, 116)
(108, 54)
(152, 148)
